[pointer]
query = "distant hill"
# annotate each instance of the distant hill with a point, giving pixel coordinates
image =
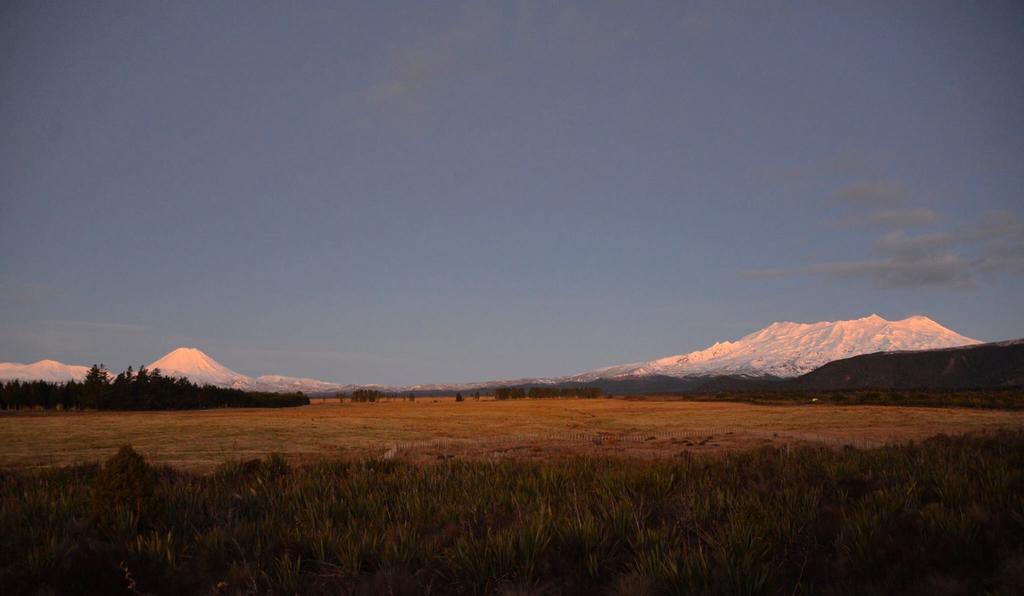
(50, 371)
(978, 366)
(990, 365)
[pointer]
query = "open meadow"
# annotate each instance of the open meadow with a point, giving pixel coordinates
(430, 429)
(550, 496)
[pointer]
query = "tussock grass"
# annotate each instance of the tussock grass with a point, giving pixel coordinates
(942, 516)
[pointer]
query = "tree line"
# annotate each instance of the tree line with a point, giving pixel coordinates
(136, 390)
(366, 395)
(503, 393)
(500, 393)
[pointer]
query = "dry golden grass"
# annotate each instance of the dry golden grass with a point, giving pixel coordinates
(200, 440)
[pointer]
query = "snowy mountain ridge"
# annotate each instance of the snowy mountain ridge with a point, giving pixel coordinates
(789, 349)
(50, 371)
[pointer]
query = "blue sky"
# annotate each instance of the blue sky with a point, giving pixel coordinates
(432, 192)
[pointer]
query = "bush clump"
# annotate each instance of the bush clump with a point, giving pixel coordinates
(124, 490)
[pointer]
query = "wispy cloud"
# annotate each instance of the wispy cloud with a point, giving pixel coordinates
(910, 217)
(490, 40)
(956, 258)
(873, 193)
(841, 167)
(876, 202)
(947, 270)
(900, 245)
(409, 82)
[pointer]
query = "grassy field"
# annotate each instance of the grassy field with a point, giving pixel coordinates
(437, 428)
(568, 496)
(942, 517)
(1002, 399)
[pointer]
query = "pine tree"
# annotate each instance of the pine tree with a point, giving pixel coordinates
(96, 386)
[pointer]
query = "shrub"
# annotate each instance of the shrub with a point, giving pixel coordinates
(124, 490)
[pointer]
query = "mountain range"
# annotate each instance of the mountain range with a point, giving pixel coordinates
(791, 349)
(50, 371)
(781, 350)
(190, 363)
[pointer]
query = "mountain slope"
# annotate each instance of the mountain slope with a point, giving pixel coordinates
(984, 365)
(283, 384)
(791, 349)
(198, 367)
(194, 365)
(44, 370)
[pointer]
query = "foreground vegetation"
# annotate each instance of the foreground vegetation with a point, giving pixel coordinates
(131, 390)
(944, 516)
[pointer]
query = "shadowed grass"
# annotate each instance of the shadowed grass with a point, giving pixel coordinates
(944, 516)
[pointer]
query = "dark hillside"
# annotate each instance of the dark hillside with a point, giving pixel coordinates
(981, 366)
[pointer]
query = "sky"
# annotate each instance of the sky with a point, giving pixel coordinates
(387, 192)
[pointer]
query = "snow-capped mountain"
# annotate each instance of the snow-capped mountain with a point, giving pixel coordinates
(45, 370)
(282, 384)
(791, 349)
(190, 363)
(194, 365)
(780, 350)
